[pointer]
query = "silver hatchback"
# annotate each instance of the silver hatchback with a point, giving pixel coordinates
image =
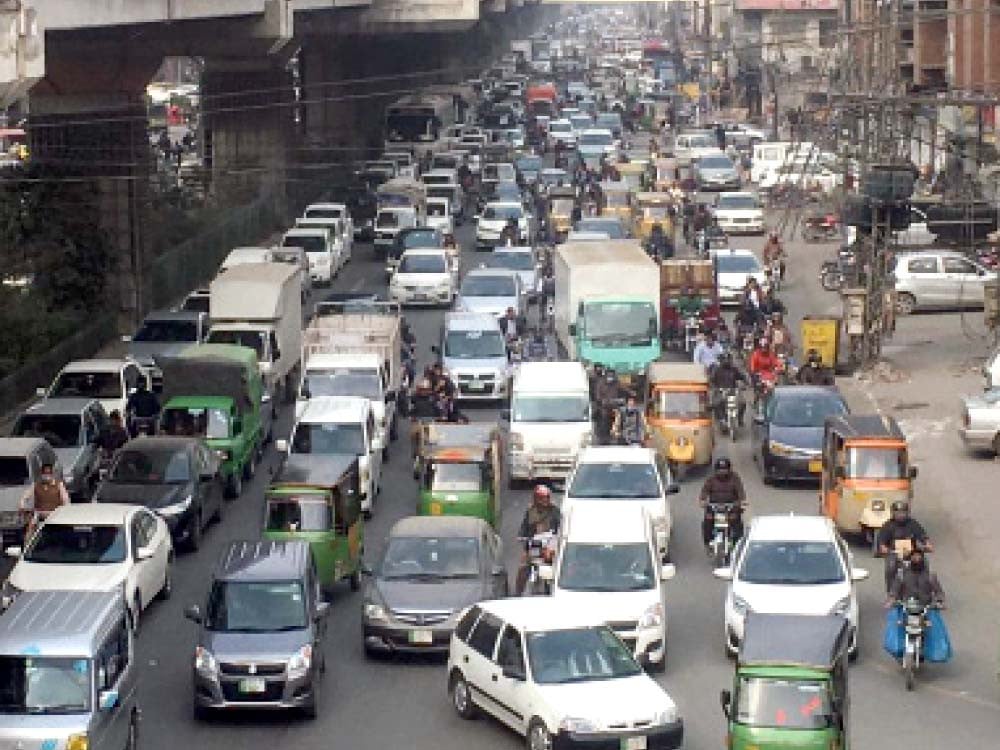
(940, 279)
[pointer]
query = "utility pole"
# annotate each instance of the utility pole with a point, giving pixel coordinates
(708, 49)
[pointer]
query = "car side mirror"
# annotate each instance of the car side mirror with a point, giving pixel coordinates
(322, 610)
(859, 574)
(14, 551)
(144, 553)
(193, 613)
(107, 699)
(126, 339)
(725, 698)
(723, 574)
(281, 446)
(912, 473)
(40, 392)
(514, 673)
(668, 571)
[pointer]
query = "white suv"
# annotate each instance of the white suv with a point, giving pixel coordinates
(790, 565)
(607, 562)
(558, 676)
(619, 477)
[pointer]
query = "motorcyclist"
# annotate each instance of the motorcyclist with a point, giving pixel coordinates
(747, 319)
(727, 376)
(113, 436)
(724, 487)
(775, 251)
(899, 532)
(44, 496)
(630, 425)
(538, 348)
(540, 517)
(814, 372)
(708, 351)
(770, 303)
(764, 364)
(781, 336)
(511, 325)
(752, 294)
(606, 393)
(916, 581)
(142, 405)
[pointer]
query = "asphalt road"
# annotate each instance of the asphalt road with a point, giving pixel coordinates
(403, 703)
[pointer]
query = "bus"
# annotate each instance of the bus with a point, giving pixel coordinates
(417, 123)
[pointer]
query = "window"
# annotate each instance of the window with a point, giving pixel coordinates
(464, 626)
(484, 635)
(132, 377)
(827, 33)
(146, 528)
(922, 265)
(958, 265)
(113, 657)
(510, 654)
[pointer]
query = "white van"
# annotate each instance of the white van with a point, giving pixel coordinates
(769, 157)
(474, 353)
(317, 243)
(550, 419)
(607, 562)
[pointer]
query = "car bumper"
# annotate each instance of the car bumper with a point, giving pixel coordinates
(420, 297)
(707, 185)
(400, 638)
(786, 467)
(223, 693)
(666, 737)
(753, 226)
(528, 465)
(482, 390)
(981, 439)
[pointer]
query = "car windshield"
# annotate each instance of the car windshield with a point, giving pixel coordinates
(611, 227)
(613, 481)
(323, 213)
(60, 430)
(437, 209)
(195, 422)
(560, 127)
(303, 513)
(579, 655)
(474, 345)
(421, 239)
(606, 567)
(167, 331)
(476, 285)
(804, 410)
(250, 339)
(609, 121)
(714, 162)
(77, 545)
(502, 212)
(105, 385)
(739, 202)
(329, 439)
(387, 219)
(783, 704)
(428, 557)
(309, 243)
(135, 466)
(791, 563)
(876, 463)
(255, 607)
(449, 476)
(344, 382)
(422, 264)
(13, 471)
(732, 263)
(570, 408)
(44, 685)
(596, 139)
(512, 261)
(680, 404)
(615, 324)
(655, 213)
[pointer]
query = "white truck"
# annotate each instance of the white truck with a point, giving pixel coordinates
(607, 304)
(259, 305)
(356, 352)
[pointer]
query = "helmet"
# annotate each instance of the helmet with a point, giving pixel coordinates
(725, 359)
(541, 491)
(723, 464)
(424, 385)
(900, 506)
(813, 356)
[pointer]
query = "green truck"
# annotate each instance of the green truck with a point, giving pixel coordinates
(215, 391)
(790, 687)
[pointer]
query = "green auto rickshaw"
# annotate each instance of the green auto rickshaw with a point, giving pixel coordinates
(326, 513)
(790, 688)
(458, 470)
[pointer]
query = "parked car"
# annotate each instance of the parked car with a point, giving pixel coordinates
(21, 462)
(110, 381)
(942, 279)
(557, 675)
(88, 547)
(980, 430)
(787, 435)
(175, 477)
(793, 565)
(464, 559)
(71, 426)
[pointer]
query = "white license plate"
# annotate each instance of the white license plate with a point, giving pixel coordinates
(421, 297)
(633, 743)
(475, 385)
(252, 685)
(421, 637)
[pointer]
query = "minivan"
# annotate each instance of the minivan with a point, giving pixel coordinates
(474, 352)
(68, 672)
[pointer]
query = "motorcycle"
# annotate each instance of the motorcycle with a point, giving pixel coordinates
(915, 624)
(730, 424)
(833, 274)
(824, 228)
(774, 273)
(692, 327)
(721, 542)
(541, 552)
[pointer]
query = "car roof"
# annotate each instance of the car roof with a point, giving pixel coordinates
(550, 377)
(732, 251)
(68, 405)
(19, 446)
(791, 527)
(59, 623)
(504, 204)
(340, 409)
(594, 523)
(470, 321)
(542, 613)
(737, 194)
(309, 231)
(92, 514)
(500, 272)
(513, 250)
(619, 454)
(425, 251)
(263, 560)
(796, 391)
(436, 526)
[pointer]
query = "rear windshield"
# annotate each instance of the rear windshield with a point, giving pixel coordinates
(783, 704)
(60, 430)
(105, 385)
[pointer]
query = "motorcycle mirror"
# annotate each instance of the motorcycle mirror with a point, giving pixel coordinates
(859, 574)
(725, 698)
(723, 574)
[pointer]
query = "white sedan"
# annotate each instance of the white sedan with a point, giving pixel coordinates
(790, 565)
(739, 213)
(735, 268)
(97, 547)
(425, 276)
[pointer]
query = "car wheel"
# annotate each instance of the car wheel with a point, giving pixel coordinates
(168, 581)
(136, 612)
(311, 709)
(538, 737)
(194, 534)
(461, 697)
(905, 303)
(132, 741)
(234, 487)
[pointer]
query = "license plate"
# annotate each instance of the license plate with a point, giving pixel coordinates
(815, 467)
(420, 297)
(421, 637)
(475, 385)
(252, 685)
(633, 743)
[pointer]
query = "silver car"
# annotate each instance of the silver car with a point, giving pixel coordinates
(21, 462)
(493, 291)
(941, 279)
(980, 430)
(520, 260)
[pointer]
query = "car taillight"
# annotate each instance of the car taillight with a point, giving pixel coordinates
(966, 420)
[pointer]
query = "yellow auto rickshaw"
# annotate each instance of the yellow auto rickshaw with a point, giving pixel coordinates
(678, 418)
(616, 200)
(666, 173)
(562, 201)
(865, 469)
(649, 209)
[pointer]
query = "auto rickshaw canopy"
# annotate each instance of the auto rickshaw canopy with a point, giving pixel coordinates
(807, 641)
(666, 375)
(875, 430)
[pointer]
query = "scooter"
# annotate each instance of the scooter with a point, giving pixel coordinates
(541, 552)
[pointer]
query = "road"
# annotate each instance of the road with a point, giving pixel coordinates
(403, 703)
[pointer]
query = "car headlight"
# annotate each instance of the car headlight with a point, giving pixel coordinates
(77, 742)
(666, 716)
(516, 441)
(176, 508)
(577, 725)
(842, 607)
(740, 606)
(300, 662)
(204, 662)
(779, 449)
(652, 617)
(375, 611)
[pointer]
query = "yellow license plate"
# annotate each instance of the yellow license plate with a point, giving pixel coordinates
(815, 467)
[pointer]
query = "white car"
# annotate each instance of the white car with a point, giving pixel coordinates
(333, 211)
(607, 562)
(424, 277)
(491, 291)
(790, 565)
(735, 267)
(110, 381)
(739, 213)
(558, 676)
(341, 240)
(595, 144)
(318, 244)
(619, 477)
(561, 131)
(439, 215)
(97, 547)
(494, 218)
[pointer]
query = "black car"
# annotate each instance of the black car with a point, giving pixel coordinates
(788, 433)
(175, 477)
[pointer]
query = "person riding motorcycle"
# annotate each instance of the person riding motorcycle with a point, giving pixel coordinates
(629, 423)
(899, 532)
(752, 294)
(771, 304)
(606, 394)
(142, 405)
(814, 372)
(916, 581)
(781, 336)
(725, 488)
(727, 376)
(43, 497)
(538, 348)
(764, 366)
(747, 319)
(775, 251)
(708, 351)
(540, 517)
(113, 436)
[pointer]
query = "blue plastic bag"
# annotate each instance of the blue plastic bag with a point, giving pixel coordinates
(937, 643)
(894, 640)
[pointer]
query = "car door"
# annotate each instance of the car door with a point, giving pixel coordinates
(375, 451)
(476, 662)
(138, 578)
(925, 281)
(965, 281)
(508, 684)
(208, 490)
(113, 671)
(157, 538)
